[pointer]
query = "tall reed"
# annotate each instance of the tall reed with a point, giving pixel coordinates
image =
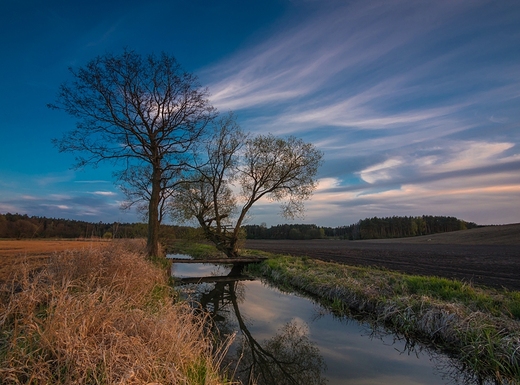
(102, 317)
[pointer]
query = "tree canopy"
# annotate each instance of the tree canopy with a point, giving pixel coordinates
(144, 113)
(239, 170)
(368, 228)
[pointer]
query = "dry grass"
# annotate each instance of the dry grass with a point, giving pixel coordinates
(34, 253)
(101, 317)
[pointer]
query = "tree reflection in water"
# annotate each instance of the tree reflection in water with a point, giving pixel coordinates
(289, 357)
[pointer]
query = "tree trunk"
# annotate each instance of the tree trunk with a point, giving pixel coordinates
(223, 242)
(152, 245)
(232, 247)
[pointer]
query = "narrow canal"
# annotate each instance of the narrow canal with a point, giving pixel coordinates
(285, 338)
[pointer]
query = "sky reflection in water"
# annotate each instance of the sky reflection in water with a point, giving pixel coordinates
(351, 353)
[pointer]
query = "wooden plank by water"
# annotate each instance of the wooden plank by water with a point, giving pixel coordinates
(214, 279)
(224, 261)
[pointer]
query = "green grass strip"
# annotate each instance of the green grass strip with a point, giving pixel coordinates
(480, 326)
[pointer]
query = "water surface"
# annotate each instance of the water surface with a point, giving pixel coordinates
(287, 338)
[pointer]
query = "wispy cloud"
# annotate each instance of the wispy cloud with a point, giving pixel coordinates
(93, 181)
(338, 44)
(381, 171)
(105, 193)
(89, 206)
(402, 97)
(325, 184)
(53, 179)
(479, 182)
(50, 206)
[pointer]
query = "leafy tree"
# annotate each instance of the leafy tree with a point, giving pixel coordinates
(24, 229)
(143, 113)
(239, 170)
(3, 227)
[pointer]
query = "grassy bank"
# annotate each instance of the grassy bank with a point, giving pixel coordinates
(101, 317)
(478, 326)
(195, 248)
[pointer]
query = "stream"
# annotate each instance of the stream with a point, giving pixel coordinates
(286, 338)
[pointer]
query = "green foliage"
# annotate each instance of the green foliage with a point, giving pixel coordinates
(392, 284)
(487, 300)
(23, 226)
(158, 297)
(161, 262)
(196, 373)
(513, 303)
(396, 227)
(196, 250)
(338, 306)
(369, 228)
(441, 288)
(285, 231)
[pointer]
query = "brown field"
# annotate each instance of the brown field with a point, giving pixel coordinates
(486, 256)
(35, 253)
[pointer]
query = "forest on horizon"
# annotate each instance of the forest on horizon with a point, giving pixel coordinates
(20, 226)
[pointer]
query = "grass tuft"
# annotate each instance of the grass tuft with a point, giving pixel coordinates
(101, 317)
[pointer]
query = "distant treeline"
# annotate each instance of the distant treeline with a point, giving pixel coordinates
(23, 226)
(369, 228)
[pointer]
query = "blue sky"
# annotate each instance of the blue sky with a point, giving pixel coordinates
(415, 104)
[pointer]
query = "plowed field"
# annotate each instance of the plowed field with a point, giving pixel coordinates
(484, 256)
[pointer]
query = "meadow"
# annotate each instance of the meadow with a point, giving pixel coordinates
(102, 314)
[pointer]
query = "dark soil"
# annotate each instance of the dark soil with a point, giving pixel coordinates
(487, 256)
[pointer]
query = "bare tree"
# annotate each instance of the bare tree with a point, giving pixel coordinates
(143, 113)
(241, 170)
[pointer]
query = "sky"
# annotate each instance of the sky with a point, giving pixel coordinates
(415, 104)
